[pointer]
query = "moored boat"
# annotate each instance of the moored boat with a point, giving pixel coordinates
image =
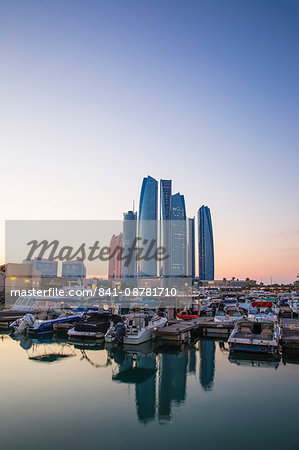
(42, 323)
(93, 325)
(255, 335)
(140, 328)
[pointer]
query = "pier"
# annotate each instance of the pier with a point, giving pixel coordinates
(179, 331)
(7, 317)
(290, 334)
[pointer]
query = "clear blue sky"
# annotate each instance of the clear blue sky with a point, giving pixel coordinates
(97, 94)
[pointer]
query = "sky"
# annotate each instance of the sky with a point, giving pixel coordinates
(95, 95)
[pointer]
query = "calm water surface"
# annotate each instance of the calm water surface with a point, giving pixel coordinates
(59, 395)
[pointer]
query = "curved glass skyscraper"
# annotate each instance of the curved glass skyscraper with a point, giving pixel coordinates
(129, 236)
(178, 236)
(165, 231)
(205, 244)
(147, 227)
(191, 248)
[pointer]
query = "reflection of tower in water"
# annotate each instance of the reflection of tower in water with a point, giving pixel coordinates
(207, 364)
(172, 382)
(146, 391)
(192, 362)
(138, 369)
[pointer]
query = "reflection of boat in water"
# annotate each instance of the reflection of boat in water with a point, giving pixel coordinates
(290, 357)
(246, 360)
(4, 336)
(87, 345)
(97, 358)
(49, 353)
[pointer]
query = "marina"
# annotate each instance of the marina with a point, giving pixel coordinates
(247, 321)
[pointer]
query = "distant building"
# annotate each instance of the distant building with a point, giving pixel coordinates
(21, 276)
(296, 284)
(129, 268)
(147, 226)
(115, 263)
(73, 269)
(228, 284)
(178, 236)
(47, 268)
(191, 247)
(205, 244)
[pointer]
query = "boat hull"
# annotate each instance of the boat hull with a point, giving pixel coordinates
(85, 335)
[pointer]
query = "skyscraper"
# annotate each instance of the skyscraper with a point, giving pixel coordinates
(129, 234)
(147, 227)
(191, 248)
(165, 231)
(115, 263)
(205, 244)
(178, 236)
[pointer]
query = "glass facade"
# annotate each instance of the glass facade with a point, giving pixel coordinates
(129, 235)
(191, 248)
(205, 244)
(73, 269)
(165, 232)
(178, 236)
(115, 263)
(147, 226)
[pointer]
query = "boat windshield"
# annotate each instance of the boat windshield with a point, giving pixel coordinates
(235, 314)
(220, 313)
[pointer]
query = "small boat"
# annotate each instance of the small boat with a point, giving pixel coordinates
(262, 313)
(42, 323)
(140, 328)
(255, 335)
(93, 326)
(294, 304)
(187, 315)
(227, 316)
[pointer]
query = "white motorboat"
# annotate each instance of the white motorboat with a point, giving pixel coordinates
(227, 316)
(294, 304)
(255, 335)
(262, 313)
(140, 328)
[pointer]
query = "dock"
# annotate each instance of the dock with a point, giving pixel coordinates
(290, 334)
(180, 331)
(7, 317)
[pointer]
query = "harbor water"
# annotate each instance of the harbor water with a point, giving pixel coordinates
(55, 394)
